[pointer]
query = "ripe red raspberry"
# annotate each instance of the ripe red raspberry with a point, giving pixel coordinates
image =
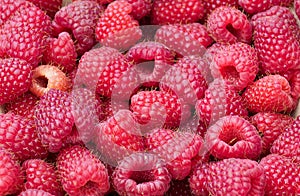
(297, 7)
(34, 192)
(256, 6)
(23, 31)
(233, 137)
(116, 28)
(41, 175)
(270, 125)
(211, 5)
(158, 108)
(61, 52)
(271, 93)
(229, 25)
(140, 8)
(183, 145)
(19, 136)
(15, 78)
(237, 64)
(288, 143)
(11, 178)
(282, 175)
(141, 174)
(79, 17)
(81, 172)
(228, 177)
(49, 6)
(282, 52)
(151, 60)
(54, 119)
(184, 39)
(187, 79)
(176, 11)
(118, 137)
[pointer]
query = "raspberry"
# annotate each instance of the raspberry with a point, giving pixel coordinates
(143, 54)
(228, 177)
(49, 6)
(271, 93)
(280, 53)
(81, 172)
(23, 32)
(15, 78)
(270, 125)
(233, 137)
(140, 8)
(176, 11)
(118, 137)
(229, 25)
(256, 6)
(46, 77)
(211, 5)
(116, 28)
(11, 177)
(282, 175)
(237, 64)
(79, 17)
(61, 52)
(141, 174)
(288, 143)
(19, 136)
(34, 192)
(54, 119)
(184, 39)
(183, 145)
(41, 175)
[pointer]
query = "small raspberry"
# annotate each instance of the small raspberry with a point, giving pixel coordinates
(233, 137)
(271, 93)
(176, 11)
(49, 6)
(116, 28)
(288, 143)
(34, 192)
(270, 125)
(19, 135)
(282, 175)
(229, 25)
(81, 172)
(256, 6)
(47, 77)
(211, 5)
(184, 39)
(141, 174)
(54, 119)
(41, 175)
(228, 177)
(79, 17)
(15, 78)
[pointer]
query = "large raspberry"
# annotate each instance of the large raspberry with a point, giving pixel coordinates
(255, 6)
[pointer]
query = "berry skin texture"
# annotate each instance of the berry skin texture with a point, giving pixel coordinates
(271, 93)
(141, 174)
(15, 78)
(140, 8)
(34, 192)
(10, 175)
(81, 172)
(210, 5)
(41, 175)
(233, 137)
(177, 11)
(229, 25)
(228, 177)
(256, 6)
(282, 175)
(54, 119)
(49, 6)
(288, 143)
(19, 136)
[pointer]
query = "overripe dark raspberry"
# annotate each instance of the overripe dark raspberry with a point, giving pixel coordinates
(282, 175)
(54, 119)
(229, 25)
(41, 175)
(233, 137)
(141, 174)
(19, 135)
(34, 192)
(176, 11)
(81, 172)
(229, 177)
(79, 17)
(49, 6)
(256, 6)
(184, 39)
(15, 78)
